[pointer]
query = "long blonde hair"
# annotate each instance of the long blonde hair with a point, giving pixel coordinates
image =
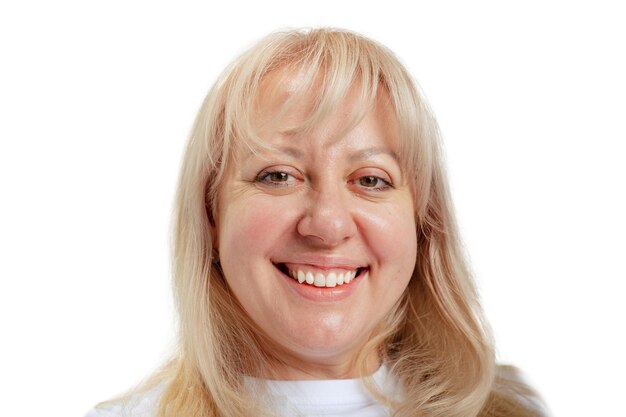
(435, 340)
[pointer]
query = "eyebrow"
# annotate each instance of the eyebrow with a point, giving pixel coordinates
(373, 151)
(353, 157)
(292, 152)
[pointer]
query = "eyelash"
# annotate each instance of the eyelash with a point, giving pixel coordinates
(265, 178)
(385, 184)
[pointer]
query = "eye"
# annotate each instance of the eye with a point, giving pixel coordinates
(275, 178)
(373, 183)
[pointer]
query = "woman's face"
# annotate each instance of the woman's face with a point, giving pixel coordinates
(317, 239)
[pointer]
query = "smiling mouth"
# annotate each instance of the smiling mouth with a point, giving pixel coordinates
(319, 279)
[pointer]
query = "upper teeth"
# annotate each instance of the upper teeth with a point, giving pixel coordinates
(318, 279)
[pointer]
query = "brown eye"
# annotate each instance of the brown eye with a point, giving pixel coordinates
(369, 182)
(372, 182)
(276, 178)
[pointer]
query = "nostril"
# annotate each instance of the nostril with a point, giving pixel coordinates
(328, 220)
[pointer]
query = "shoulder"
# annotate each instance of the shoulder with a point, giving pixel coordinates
(139, 404)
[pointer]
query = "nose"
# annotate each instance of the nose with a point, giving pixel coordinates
(328, 219)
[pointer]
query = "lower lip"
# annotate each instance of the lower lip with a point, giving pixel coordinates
(323, 294)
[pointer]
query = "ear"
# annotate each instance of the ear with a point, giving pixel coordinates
(215, 241)
(213, 229)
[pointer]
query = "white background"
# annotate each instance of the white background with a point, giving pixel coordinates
(97, 99)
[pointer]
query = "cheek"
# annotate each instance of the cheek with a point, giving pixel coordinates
(251, 226)
(391, 231)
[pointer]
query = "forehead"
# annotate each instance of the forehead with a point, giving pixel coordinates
(290, 105)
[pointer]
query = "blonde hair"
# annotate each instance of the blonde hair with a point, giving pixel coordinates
(435, 340)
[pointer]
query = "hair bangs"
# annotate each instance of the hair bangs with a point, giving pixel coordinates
(319, 70)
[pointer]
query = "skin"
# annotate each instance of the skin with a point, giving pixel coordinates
(327, 202)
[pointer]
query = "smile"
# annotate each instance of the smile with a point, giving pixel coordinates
(318, 278)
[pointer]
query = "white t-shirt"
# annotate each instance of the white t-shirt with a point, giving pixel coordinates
(329, 398)
(316, 398)
(325, 398)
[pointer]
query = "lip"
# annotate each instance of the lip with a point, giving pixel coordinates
(323, 294)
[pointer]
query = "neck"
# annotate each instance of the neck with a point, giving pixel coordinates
(290, 368)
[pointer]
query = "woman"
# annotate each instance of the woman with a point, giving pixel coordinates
(317, 266)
